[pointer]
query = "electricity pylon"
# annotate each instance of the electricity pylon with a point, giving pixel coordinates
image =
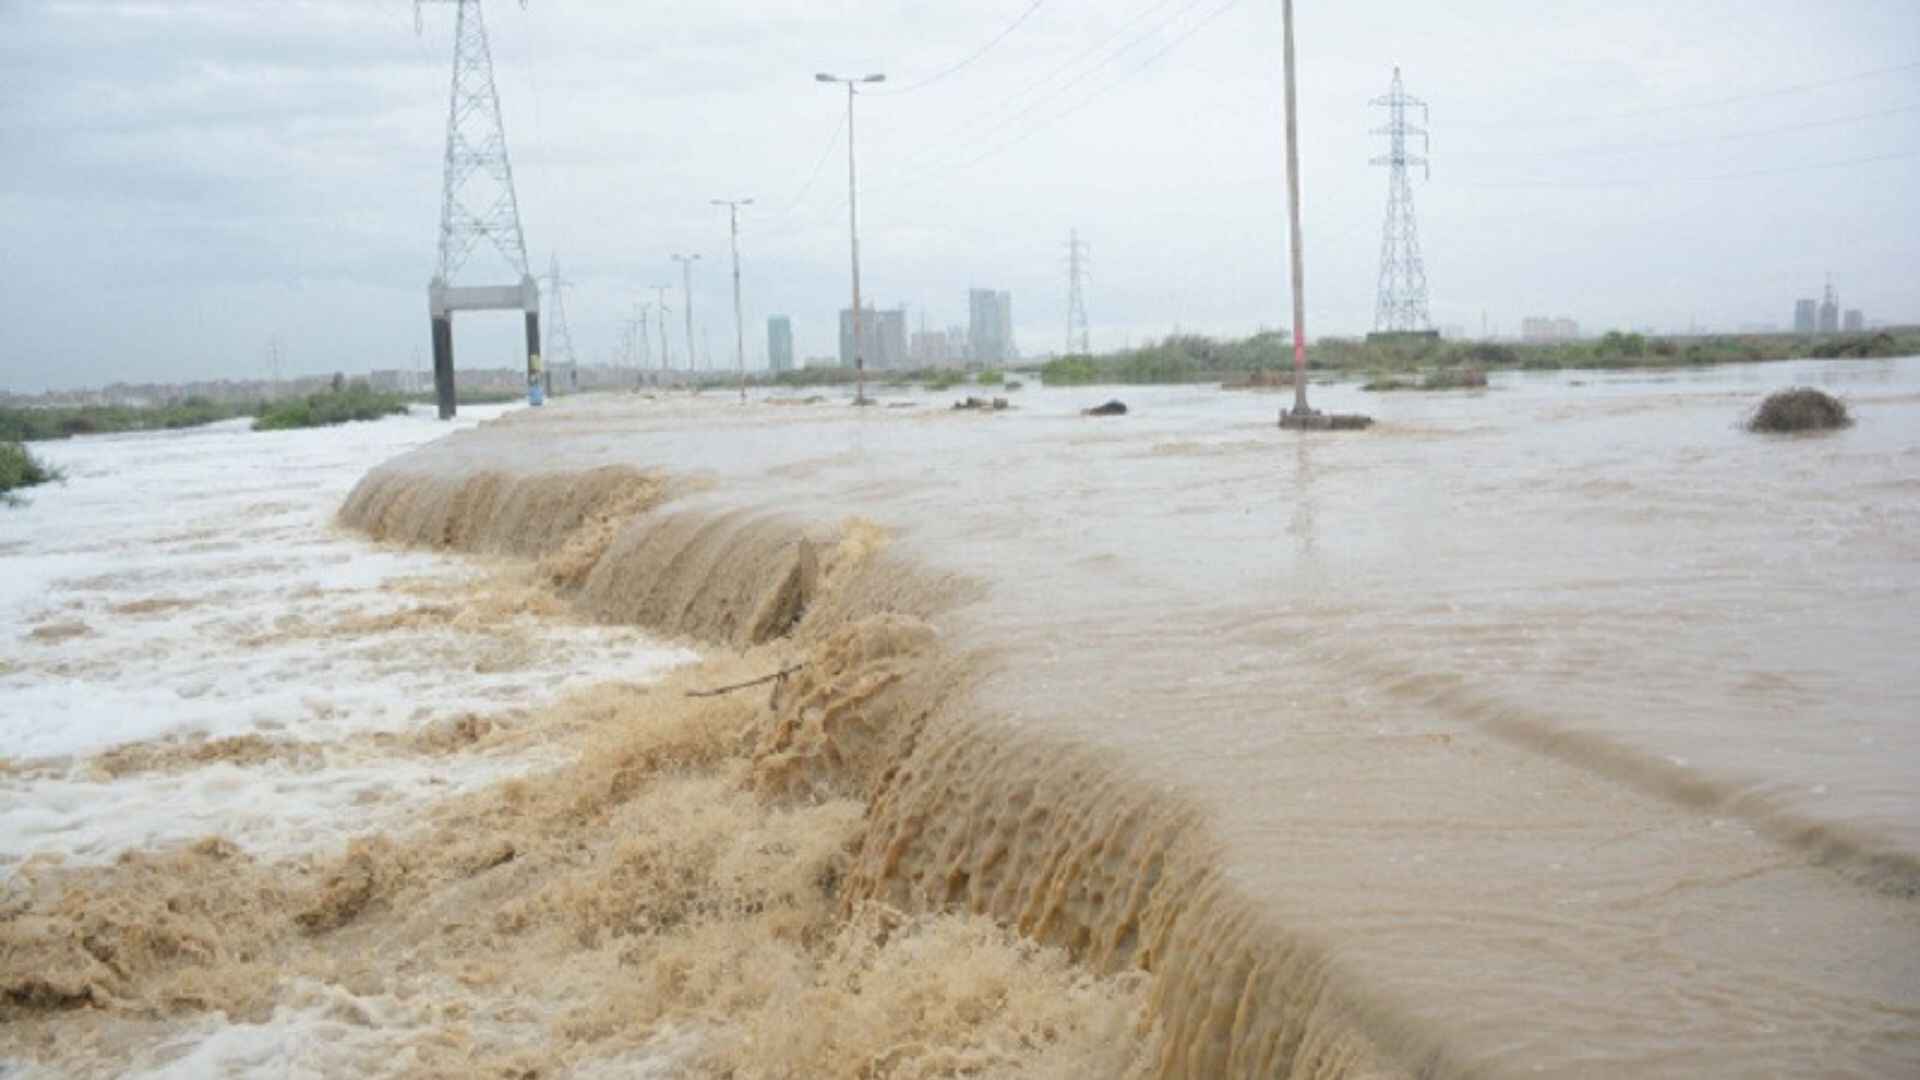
(562, 336)
(478, 204)
(1077, 333)
(666, 352)
(1402, 301)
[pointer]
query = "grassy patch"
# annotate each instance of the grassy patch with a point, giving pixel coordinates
(353, 401)
(60, 422)
(992, 378)
(1422, 363)
(1800, 409)
(20, 469)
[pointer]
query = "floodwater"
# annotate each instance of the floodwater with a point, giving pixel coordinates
(1567, 728)
(1562, 729)
(188, 592)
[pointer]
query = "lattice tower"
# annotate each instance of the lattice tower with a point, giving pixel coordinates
(1402, 301)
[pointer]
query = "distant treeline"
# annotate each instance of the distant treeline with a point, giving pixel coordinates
(345, 400)
(19, 424)
(1192, 358)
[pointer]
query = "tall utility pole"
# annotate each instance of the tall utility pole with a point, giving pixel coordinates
(686, 291)
(477, 202)
(739, 328)
(1402, 301)
(666, 354)
(1077, 334)
(853, 230)
(1300, 408)
(562, 336)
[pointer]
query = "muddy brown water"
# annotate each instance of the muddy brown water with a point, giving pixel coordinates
(1563, 728)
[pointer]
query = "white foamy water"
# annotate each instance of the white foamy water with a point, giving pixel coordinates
(182, 587)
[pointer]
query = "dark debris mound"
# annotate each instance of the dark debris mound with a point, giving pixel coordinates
(1800, 409)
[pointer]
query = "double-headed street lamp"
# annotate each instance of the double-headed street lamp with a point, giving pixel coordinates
(686, 288)
(853, 229)
(739, 329)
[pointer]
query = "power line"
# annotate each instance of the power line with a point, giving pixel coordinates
(1009, 108)
(1095, 96)
(1022, 136)
(1783, 171)
(963, 64)
(1782, 91)
(1667, 144)
(814, 175)
(1709, 103)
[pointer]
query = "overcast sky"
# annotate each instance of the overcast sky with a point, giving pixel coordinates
(183, 180)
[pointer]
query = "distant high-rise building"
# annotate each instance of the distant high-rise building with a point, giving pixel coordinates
(1539, 329)
(1806, 316)
(883, 336)
(780, 343)
(990, 327)
(928, 348)
(1854, 321)
(1830, 311)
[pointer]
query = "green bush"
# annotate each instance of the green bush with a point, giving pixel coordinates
(20, 469)
(1069, 371)
(352, 401)
(992, 378)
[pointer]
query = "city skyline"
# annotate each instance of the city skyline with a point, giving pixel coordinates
(191, 197)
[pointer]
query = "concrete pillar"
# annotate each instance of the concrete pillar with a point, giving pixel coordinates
(443, 364)
(536, 369)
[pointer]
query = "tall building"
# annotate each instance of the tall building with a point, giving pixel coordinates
(780, 343)
(1806, 316)
(990, 327)
(883, 336)
(1854, 321)
(1830, 311)
(928, 348)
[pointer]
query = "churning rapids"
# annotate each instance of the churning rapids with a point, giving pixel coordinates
(1560, 729)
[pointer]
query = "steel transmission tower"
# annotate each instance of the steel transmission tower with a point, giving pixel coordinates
(478, 207)
(562, 336)
(1078, 338)
(1402, 303)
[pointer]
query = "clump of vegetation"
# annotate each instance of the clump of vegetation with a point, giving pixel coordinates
(60, 422)
(345, 402)
(1455, 379)
(1860, 347)
(942, 380)
(1800, 409)
(992, 378)
(20, 469)
(1441, 379)
(1069, 371)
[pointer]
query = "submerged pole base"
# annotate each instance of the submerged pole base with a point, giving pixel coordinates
(1312, 420)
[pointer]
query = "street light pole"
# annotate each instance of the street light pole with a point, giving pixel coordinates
(853, 230)
(686, 291)
(1293, 213)
(739, 328)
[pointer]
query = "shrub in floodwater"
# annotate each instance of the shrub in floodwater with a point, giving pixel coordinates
(20, 469)
(992, 378)
(1455, 379)
(352, 401)
(1800, 409)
